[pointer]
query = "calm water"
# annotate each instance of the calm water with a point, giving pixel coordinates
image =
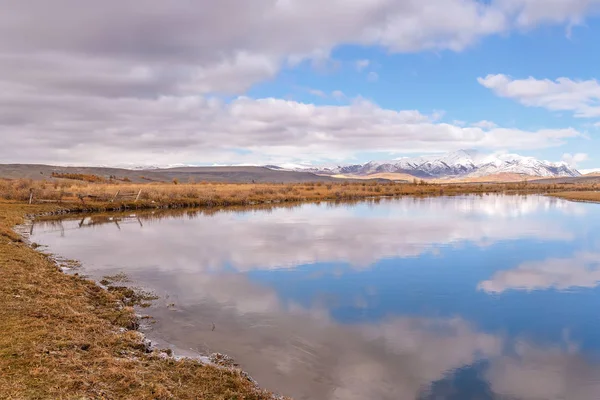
(492, 297)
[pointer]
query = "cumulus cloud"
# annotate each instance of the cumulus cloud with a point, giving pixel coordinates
(191, 129)
(580, 271)
(485, 124)
(564, 94)
(78, 80)
(574, 159)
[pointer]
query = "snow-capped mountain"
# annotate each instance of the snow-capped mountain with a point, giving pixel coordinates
(460, 163)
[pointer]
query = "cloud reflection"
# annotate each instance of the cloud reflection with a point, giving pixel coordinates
(302, 350)
(307, 354)
(284, 238)
(580, 271)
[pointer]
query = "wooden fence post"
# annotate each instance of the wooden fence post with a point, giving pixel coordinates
(30, 195)
(116, 195)
(138, 196)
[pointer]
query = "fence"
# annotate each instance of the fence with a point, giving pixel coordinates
(119, 196)
(126, 196)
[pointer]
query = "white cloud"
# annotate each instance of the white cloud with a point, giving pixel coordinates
(580, 271)
(373, 76)
(564, 94)
(167, 130)
(362, 64)
(485, 124)
(77, 79)
(574, 159)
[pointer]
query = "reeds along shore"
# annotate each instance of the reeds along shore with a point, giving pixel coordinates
(224, 194)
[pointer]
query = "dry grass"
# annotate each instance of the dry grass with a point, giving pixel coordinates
(591, 196)
(223, 194)
(79, 177)
(63, 337)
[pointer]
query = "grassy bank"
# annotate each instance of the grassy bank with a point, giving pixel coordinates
(105, 196)
(588, 196)
(63, 337)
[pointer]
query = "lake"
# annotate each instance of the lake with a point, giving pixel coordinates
(470, 297)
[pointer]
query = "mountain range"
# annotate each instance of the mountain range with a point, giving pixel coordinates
(458, 164)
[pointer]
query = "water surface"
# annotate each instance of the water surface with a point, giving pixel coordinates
(492, 297)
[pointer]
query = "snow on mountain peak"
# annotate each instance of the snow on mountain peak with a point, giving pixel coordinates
(460, 163)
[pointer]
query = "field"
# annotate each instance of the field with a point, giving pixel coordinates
(85, 194)
(64, 337)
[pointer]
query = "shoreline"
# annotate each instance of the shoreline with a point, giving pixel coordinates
(64, 336)
(70, 266)
(578, 196)
(65, 316)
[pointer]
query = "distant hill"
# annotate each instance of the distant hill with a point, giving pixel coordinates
(182, 174)
(462, 164)
(585, 179)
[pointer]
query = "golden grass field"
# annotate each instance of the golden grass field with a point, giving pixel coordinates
(101, 195)
(63, 337)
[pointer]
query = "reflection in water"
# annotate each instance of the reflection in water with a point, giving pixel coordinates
(307, 352)
(360, 236)
(581, 270)
(394, 299)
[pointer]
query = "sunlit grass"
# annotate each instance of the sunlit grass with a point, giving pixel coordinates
(225, 194)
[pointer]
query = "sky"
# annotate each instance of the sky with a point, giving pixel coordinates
(304, 82)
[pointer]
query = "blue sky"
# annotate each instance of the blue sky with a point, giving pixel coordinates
(446, 81)
(297, 82)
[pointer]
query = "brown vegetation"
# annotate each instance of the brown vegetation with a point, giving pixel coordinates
(79, 177)
(103, 195)
(590, 196)
(64, 337)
